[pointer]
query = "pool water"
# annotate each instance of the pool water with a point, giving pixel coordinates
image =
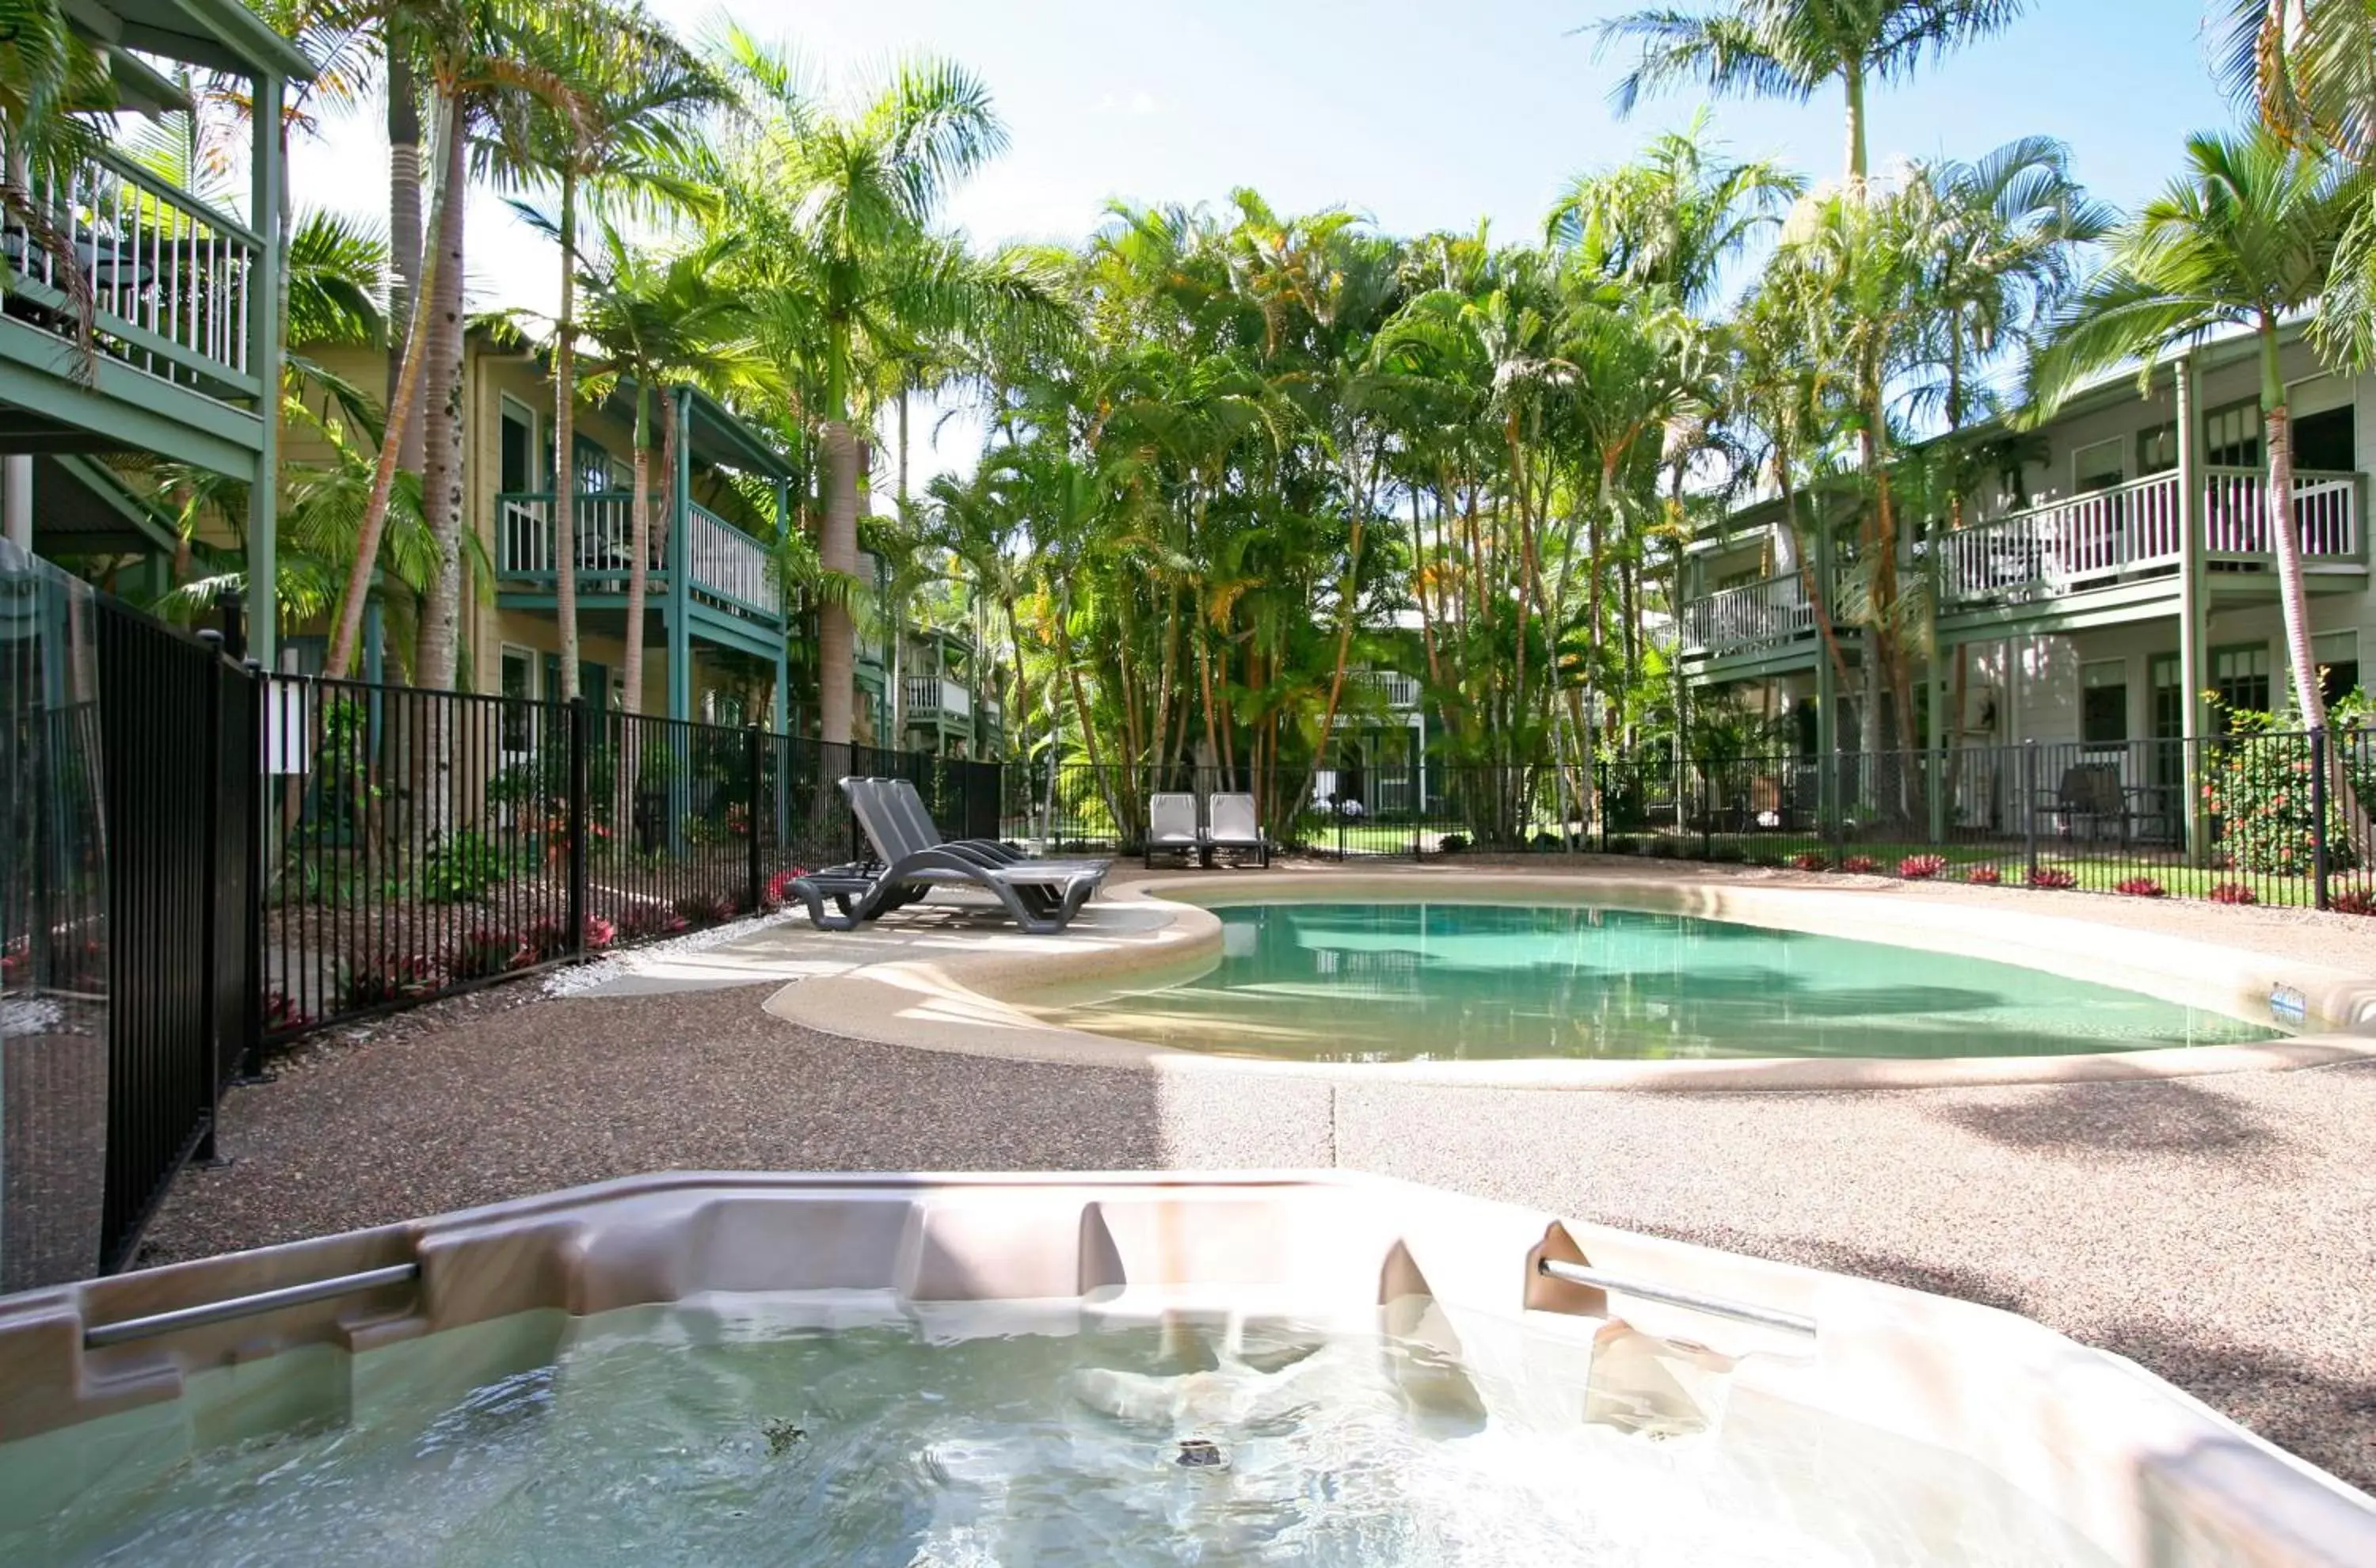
(1408, 982)
(734, 1429)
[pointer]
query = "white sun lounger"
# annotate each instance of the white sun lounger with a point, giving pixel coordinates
(1232, 824)
(1171, 827)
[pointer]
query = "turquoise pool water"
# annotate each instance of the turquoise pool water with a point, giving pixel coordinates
(1405, 982)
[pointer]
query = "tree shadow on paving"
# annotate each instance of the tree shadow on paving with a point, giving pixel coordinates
(2146, 1116)
(2329, 1421)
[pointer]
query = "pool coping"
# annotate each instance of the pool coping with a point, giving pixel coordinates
(970, 1001)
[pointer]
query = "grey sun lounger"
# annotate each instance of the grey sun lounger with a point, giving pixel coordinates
(1231, 825)
(1042, 896)
(1171, 827)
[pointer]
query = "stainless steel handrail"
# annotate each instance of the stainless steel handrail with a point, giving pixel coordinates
(247, 1306)
(1573, 1273)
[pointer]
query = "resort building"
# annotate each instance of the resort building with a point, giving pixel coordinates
(934, 689)
(136, 320)
(715, 619)
(2112, 590)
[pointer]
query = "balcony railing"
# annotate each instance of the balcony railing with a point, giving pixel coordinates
(166, 275)
(2136, 529)
(1766, 614)
(603, 522)
(932, 699)
(1398, 691)
(726, 562)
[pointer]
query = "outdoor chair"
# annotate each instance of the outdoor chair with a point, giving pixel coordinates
(1171, 827)
(2090, 796)
(1231, 825)
(1042, 896)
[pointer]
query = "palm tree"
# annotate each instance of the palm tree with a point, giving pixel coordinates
(2242, 239)
(1791, 48)
(656, 322)
(622, 131)
(840, 209)
(1673, 217)
(2311, 70)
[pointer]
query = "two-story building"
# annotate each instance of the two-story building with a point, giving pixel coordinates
(715, 621)
(137, 318)
(2112, 593)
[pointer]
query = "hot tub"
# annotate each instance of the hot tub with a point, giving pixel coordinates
(1095, 1370)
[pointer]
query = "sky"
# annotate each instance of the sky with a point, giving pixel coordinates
(1418, 114)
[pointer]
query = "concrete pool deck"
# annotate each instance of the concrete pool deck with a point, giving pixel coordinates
(2220, 1229)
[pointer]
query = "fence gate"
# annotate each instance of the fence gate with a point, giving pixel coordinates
(179, 741)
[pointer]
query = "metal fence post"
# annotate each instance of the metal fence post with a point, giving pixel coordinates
(1707, 811)
(1600, 805)
(210, 903)
(2029, 803)
(579, 825)
(255, 799)
(2317, 845)
(751, 772)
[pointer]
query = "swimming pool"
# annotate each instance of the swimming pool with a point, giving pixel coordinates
(1436, 981)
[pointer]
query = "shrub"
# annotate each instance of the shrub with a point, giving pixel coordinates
(1765, 857)
(1984, 876)
(485, 952)
(1453, 843)
(2142, 887)
(1922, 868)
(549, 939)
(281, 1013)
(779, 891)
(459, 869)
(1858, 865)
(372, 979)
(2234, 893)
(2260, 788)
(1665, 848)
(600, 933)
(2051, 876)
(712, 908)
(2359, 901)
(1728, 854)
(647, 919)
(1812, 860)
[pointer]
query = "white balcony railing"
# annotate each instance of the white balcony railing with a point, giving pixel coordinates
(930, 697)
(166, 276)
(1766, 614)
(2136, 528)
(1398, 691)
(726, 561)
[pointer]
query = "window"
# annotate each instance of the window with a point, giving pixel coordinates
(2240, 676)
(519, 684)
(2156, 450)
(593, 682)
(2231, 436)
(2323, 442)
(2096, 466)
(2337, 656)
(2104, 703)
(519, 444)
(593, 464)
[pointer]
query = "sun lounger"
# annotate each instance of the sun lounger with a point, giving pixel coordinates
(1171, 827)
(1042, 896)
(1230, 824)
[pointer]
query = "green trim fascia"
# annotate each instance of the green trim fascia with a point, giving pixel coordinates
(126, 405)
(221, 33)
(2113, 606)
(1755, 662)
(109, 486)
(730, 631)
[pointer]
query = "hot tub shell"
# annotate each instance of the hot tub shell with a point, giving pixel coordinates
(2145, 1473)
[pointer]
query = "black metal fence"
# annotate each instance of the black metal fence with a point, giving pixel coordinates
(423, 843)
(2258, 818)
(177, 720)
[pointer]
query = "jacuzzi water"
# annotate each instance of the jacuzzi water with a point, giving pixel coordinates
(1389, 982)
(732, 1429)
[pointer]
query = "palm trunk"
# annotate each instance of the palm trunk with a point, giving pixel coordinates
(404, 240)
(837, 552)
(1852, 79)
(439, 653)
(565, 436)
(639, 553)
(403, 412)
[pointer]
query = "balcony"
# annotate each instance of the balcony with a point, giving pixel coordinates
(2135, 529)
(933, 699)
(167, 276)
(1397, 691)
(1748, 617)
(724, 562)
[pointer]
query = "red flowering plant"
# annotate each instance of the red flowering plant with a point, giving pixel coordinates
(1922, 868)
(2258, 784)
(1858, 865)
(1984, 876)
(2051, 876)
(2357, 901)
(2141, 887)
(1812, 862)
(2234, 893)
